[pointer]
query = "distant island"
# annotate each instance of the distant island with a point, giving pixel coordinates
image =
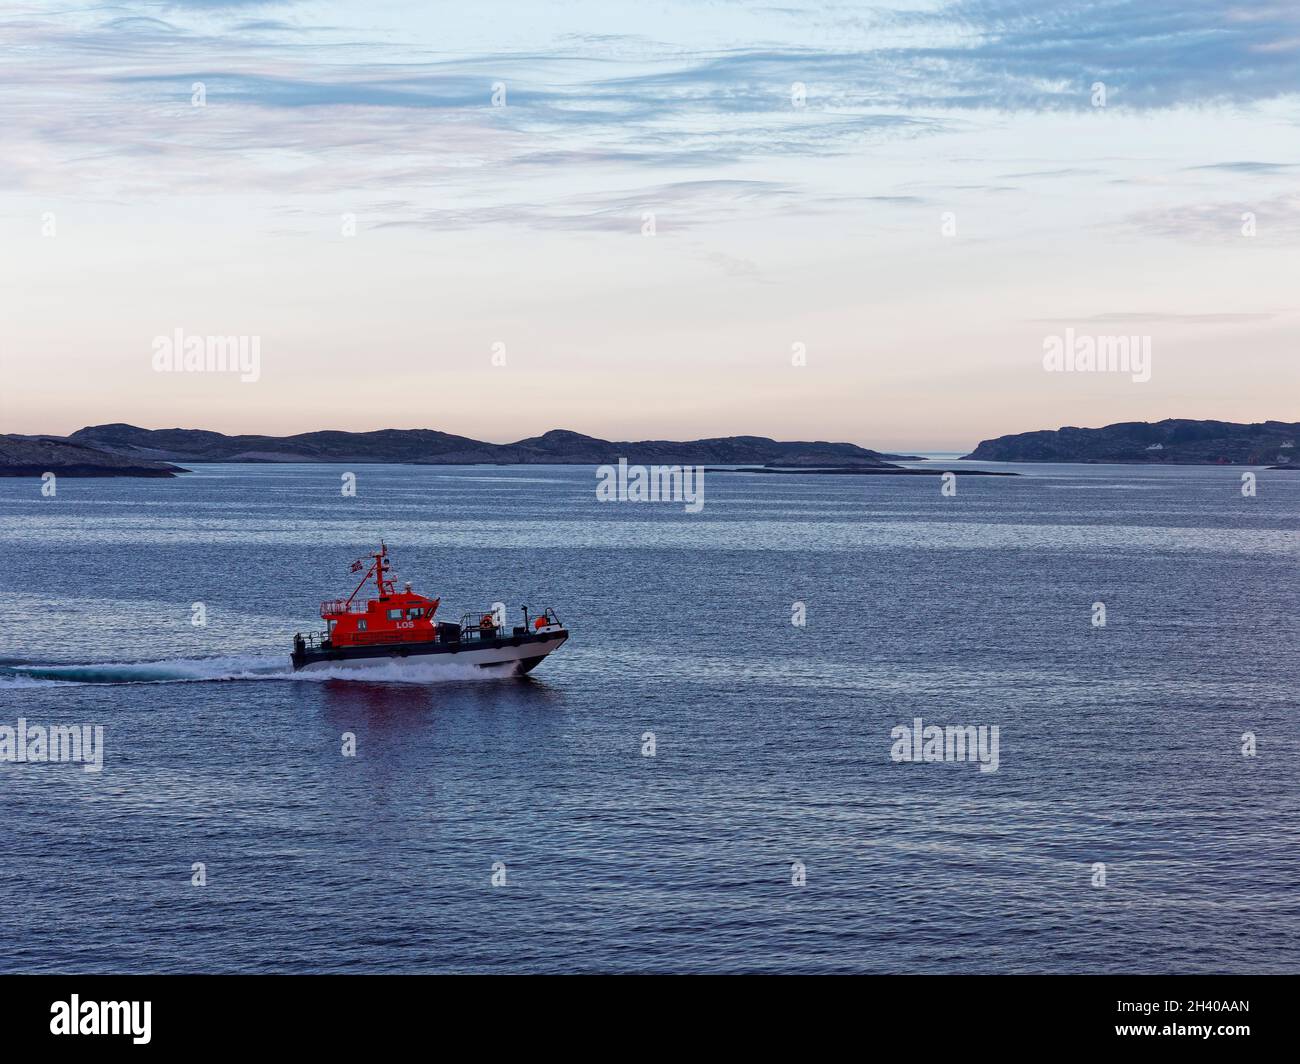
(128, 451)
(1171, 442)
(125, 450)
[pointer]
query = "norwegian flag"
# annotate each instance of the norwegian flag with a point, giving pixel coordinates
(358, 565)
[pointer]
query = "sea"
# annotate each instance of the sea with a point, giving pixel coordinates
(715, 774)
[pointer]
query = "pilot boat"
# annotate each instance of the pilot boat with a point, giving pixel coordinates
(400, 626)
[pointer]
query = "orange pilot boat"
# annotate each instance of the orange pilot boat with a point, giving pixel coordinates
(397, 625)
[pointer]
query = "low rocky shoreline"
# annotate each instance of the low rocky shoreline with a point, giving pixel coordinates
(1175, 441)
(34, 456)
(865, 471)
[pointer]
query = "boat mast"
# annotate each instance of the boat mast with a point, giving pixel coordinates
(376, 570)
(381, 568)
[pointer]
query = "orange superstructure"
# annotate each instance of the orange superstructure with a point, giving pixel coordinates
(392, 617)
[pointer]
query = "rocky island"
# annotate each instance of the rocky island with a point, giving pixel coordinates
(1173, 441)
(125, 450)
(32, 456)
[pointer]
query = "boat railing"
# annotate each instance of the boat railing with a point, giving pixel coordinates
(472, 627)
(333, 607)
(314, 640)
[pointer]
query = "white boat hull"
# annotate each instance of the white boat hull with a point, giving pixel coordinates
(495, 660)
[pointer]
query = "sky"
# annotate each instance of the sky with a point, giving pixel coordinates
(671, 220)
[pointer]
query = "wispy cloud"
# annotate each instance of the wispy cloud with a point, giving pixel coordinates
(1248, 167)
(1269, 220)
(678, 206)
(1149, 53)
(292, 104)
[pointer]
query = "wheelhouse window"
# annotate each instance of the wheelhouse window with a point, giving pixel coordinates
(361, 624)
(394, 615)
(414, 612)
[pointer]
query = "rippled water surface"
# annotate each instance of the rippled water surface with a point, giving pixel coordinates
(1120, 745)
